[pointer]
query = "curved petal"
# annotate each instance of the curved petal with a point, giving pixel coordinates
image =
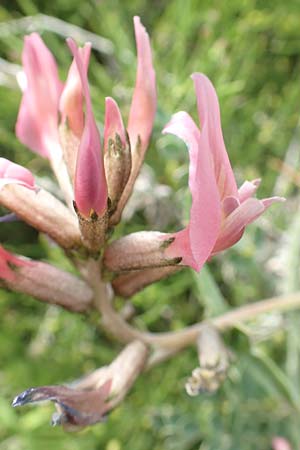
(71, 100)
(209, 113)
(38, 114)
(195, 243)
(90, 183)
(143, 105)
(234, 224)
(113, 123)
(14, 173)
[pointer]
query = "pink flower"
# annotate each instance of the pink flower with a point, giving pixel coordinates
(143, 105)
(13, 173)
(6, 260)
(71, 100)
(45, 96)
(280, 443)
(90, 186)
(219, 212)
(38, 115)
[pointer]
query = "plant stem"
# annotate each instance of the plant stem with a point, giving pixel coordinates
(174, 341)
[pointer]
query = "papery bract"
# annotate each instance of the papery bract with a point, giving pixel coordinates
(38, 115)
(219, 212)
(90, 183)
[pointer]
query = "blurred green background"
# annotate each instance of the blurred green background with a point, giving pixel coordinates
(251, 51)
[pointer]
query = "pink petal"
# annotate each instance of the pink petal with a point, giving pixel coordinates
(209, 114)
(38, 114)
(13, 173)
(280, 443)
(269, 201)
(6, 258)
(248, 189)
(234, 224)
(113, 123)
(229, 204)
(143, 106)
(195, 243)
(71, 100)
(90, 183)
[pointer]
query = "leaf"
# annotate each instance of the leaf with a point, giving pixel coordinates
(208, 293)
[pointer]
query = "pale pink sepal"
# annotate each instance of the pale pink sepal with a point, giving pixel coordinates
(143, 105)
(7, 258)
(38, 114)
(209, 113)
(196, 242)
(113, 123)
(71, 100)
(14, 173)
(90, 186)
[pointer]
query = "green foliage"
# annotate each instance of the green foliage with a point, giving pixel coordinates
(251, 51)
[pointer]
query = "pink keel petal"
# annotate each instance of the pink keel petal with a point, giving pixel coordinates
(229, 204)
(90, 183)
(143, 106)
(14, 173)
(248, 189)
(113, 123)
(209, 113)
(234, 225)
(71, 100)
(37, 120)
(205, 215)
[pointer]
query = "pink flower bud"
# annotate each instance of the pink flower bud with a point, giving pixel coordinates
(38, 114)
(90, 183)
(71, 100)
(143, 106)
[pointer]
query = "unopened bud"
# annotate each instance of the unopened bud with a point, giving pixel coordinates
(128, 284)
(44, 212)
(117, 153)
(117, 163)
(49, 284)
(140, 250)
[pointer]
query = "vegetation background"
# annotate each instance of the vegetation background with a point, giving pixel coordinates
(251, 51)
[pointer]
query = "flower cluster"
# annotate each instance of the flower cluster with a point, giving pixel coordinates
(56, 120)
